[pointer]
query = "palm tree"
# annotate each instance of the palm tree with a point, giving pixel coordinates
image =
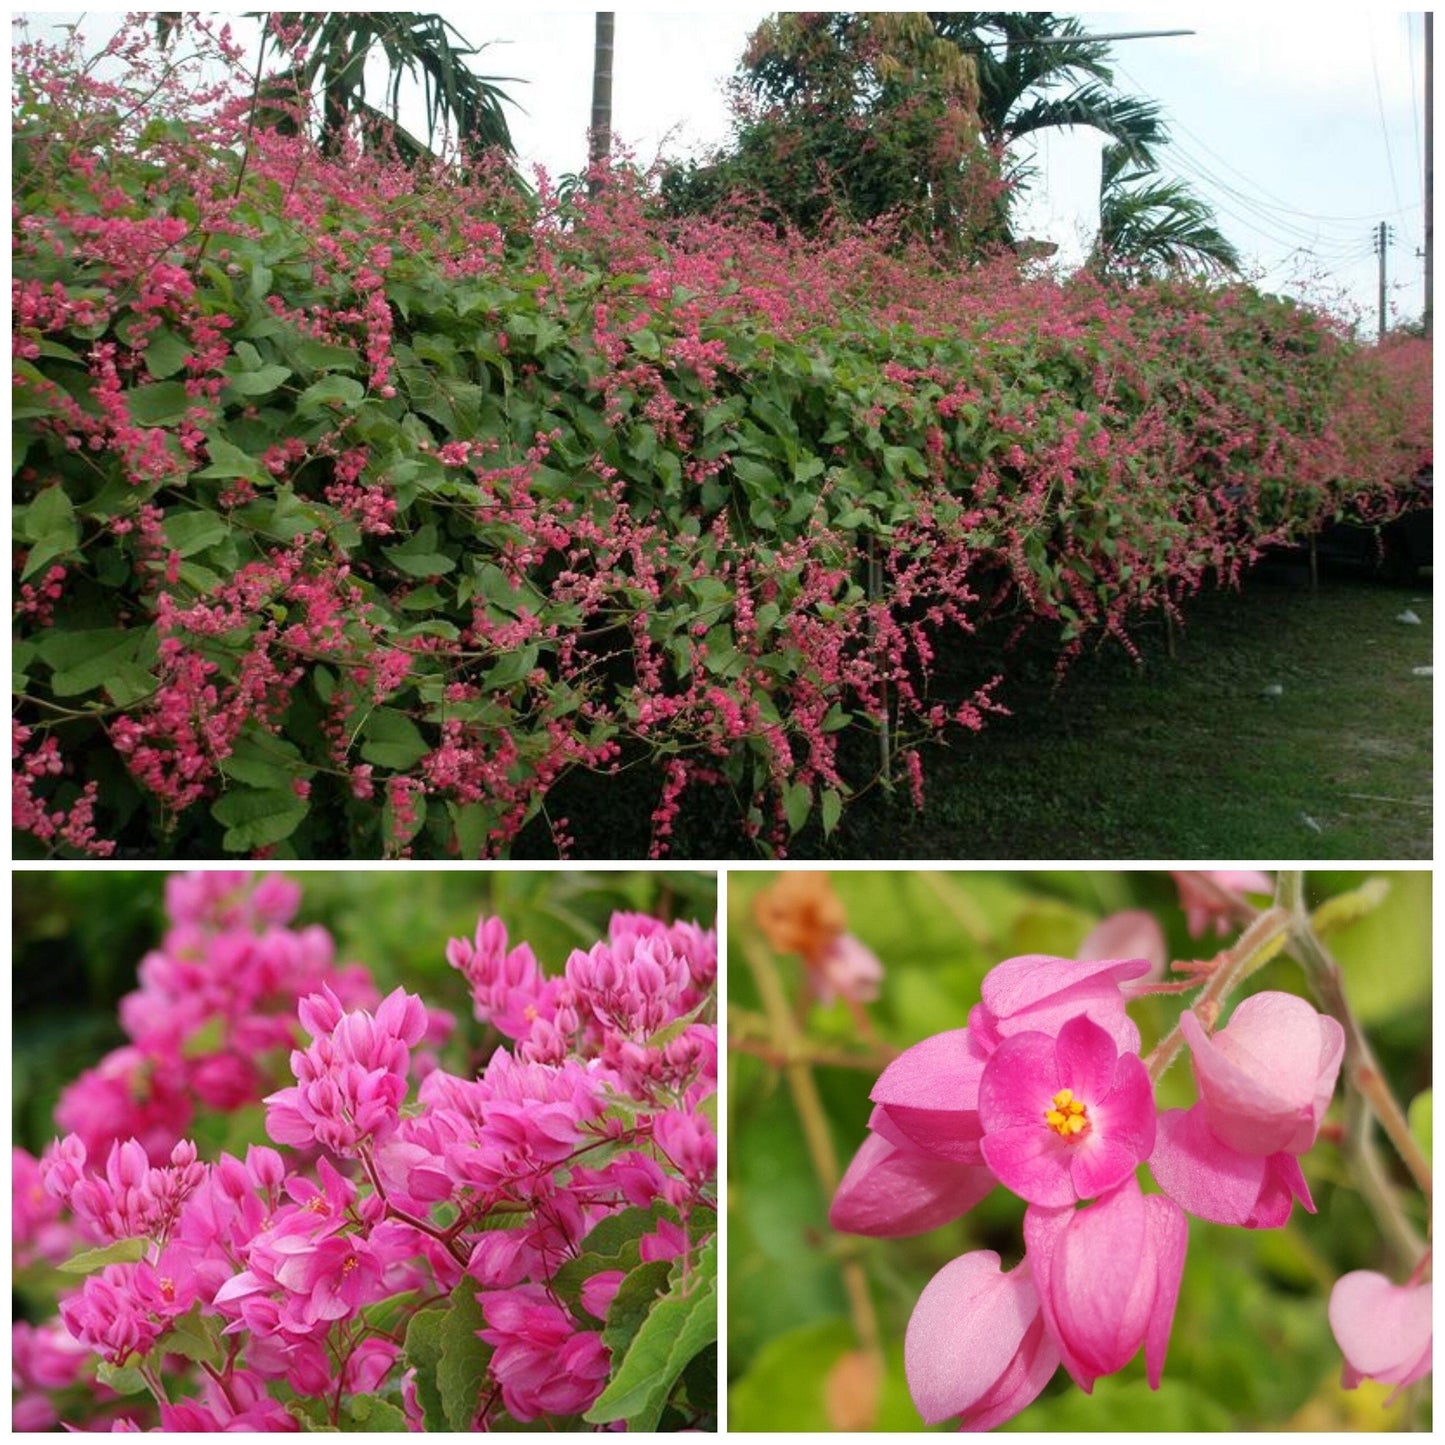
(1150, 224)
(337, 45)
(1020, 55)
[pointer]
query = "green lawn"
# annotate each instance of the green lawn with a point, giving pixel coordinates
(1191, 757)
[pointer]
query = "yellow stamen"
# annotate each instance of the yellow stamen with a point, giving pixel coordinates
(1069, 1117)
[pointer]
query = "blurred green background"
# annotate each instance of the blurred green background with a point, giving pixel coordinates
(1251, 1347)
(79, 935)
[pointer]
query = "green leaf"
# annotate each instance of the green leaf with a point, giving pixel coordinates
(646, 1283)
(162, 404)
(85, 660)
(192, 532)
(393, 740)
(611, 1244)
(463, 1366)
(165, 353)
(331, 391)
(369, 1412)
(676, 1328)
(511, 669)
(797, 805)
(418, 555)
(257, 817)
(123, 1379)
(50, 525)
(195, 1335)
(259, 382)
(832, 810)
(424, 1352)
(228, 460)
(1422, 1118)
(321, 356)
(123, 1251)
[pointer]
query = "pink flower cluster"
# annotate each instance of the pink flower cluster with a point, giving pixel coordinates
(387, 1187)
(1044, 1092)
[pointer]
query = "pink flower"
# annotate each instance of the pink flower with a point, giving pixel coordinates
(1203, 907)
(1066, 1118)
(1265, 1082)
(977, 1346)
(1383, 1329)
(544, 1365)
(893, 1188)
(930, 1092)
(1038, 993)
(1215, 1182)
(847, 969)
(1108, 1279)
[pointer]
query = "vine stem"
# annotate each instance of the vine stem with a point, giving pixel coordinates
(811, 1115)
(1362, 1070)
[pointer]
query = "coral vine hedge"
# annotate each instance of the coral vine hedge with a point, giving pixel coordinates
(357, 505)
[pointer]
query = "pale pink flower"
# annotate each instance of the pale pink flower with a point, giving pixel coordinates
(848, 969)
(977, 1346)
(1066, 1118)
(1202, 908)
(1108, 1279)
(1038, 993)
(1134, 933)
(1384, 1330)
(1265, 1082)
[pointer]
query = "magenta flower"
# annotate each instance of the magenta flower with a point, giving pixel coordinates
(543, 1363)
(1065, 1119)
(930, 1093)
(1108, 1279)
(1383, 1329)
(977, 1346)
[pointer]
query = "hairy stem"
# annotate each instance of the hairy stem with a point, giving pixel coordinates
(787, 1046)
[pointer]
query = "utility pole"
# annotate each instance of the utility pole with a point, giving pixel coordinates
(1382, 242)
(601, 135)
(1429, 174)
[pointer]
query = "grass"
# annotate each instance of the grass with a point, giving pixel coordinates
(1183, 758)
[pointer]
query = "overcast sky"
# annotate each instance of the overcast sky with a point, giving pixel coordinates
(1304, 129)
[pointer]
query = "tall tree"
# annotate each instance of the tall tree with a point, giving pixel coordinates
(1151, 224)
(337, 45)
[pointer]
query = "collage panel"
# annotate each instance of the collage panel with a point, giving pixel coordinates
(1078, 1151)
(365, 1151)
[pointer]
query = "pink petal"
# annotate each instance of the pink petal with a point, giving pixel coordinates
(1043, 1229)
(1086, 1057)
(1168, 1233)
(889, 1192)
(1033, 1161)
(1383, 1329)
(1102, 1285)
(1039, 992)
(964, 1331)
(1202, 1175)
(1099, 1164)
(1019, 1083)
(1028, 1372)
(1284, 1182)
(931, 1093)
(1128, 1115)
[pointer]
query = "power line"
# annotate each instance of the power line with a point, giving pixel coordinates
(1384, 129)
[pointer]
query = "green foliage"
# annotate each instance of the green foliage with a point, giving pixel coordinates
(678, 1325)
